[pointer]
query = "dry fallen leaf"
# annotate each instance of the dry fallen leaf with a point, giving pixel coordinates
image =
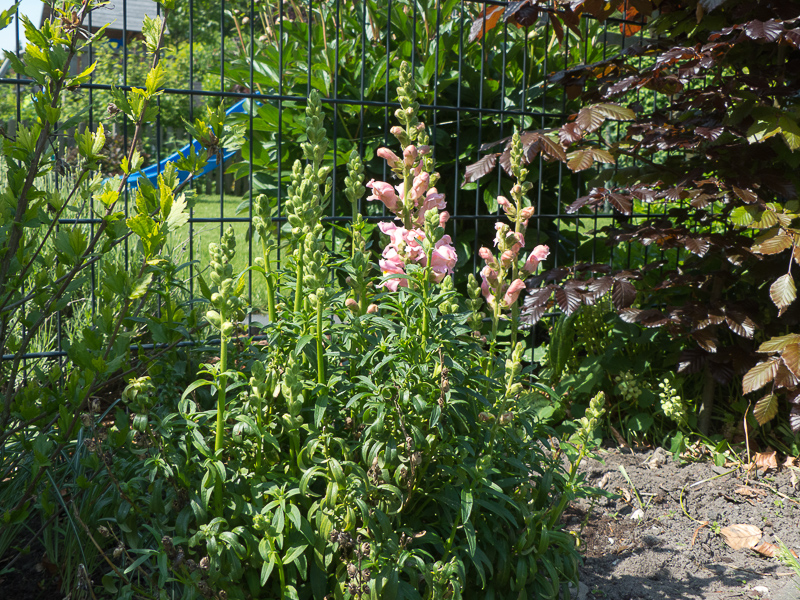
(766, 460)
(789, 462)
(767, 549)
(749, 492)
(741, 536)
(794, 479)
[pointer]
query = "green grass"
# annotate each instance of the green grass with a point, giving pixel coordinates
(207, 206)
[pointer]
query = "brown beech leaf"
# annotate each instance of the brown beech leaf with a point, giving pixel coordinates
(745, 196)
(741, 536)
(791, 358)
(773, 243)
(766, 409)
(759, 376)
(580, 160)
(783, 291)
(479, 25)
(766, 460)
(779, 343)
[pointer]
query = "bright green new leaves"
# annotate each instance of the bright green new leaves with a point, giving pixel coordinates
(90, 144)
(7, 15)
(159, 211)
(769, 122)
(151, 30)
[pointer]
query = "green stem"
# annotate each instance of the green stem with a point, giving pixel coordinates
(320, 350)
(270, 284)
(260, 429)
(298, 288)
(223, 384)
(565, 498)
(493, 342)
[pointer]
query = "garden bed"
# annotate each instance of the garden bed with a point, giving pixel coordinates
(671, 554)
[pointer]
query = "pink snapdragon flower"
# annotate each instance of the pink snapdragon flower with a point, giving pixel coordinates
(405, 247)
(513, 291)
(386, 193)
(392, 160)
(539, 253)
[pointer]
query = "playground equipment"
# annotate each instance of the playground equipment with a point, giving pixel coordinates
(152, 172)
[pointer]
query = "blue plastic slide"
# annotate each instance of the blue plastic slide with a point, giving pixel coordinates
(153, 171)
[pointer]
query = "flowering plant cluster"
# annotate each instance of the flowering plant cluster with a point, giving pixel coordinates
(509, 241)
(415, 201)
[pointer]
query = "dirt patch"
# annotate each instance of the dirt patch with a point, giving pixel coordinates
(671, 552)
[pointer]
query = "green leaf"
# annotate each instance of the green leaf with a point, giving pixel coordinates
(790, 132)
(783, 291)
(741, 216)
(766, 409)
(466, 504)
(8, 15)
(294, 554)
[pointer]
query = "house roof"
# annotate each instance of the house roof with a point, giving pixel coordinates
(112, 14)
(134, 13)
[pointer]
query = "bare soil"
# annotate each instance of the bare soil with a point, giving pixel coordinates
(673, 549)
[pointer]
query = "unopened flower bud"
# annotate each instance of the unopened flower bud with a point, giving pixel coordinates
(526, 213)
(505, 418)
(372, 309)
(484, 416)
(351, 304)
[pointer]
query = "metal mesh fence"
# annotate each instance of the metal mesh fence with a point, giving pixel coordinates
(477, 78)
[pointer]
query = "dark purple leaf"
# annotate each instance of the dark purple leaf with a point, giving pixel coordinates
(764, 30)
(487, 145)
(692, 360)
(697, 246)
(651, 318)
(710, 133)
(623, 294)
(741, 326)
(479, 169)
(622, 203)
(522, 13)
(568, 300)
(706, 339)
(670, 57)
(601, 286)
(570, 133)
(709, 5)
